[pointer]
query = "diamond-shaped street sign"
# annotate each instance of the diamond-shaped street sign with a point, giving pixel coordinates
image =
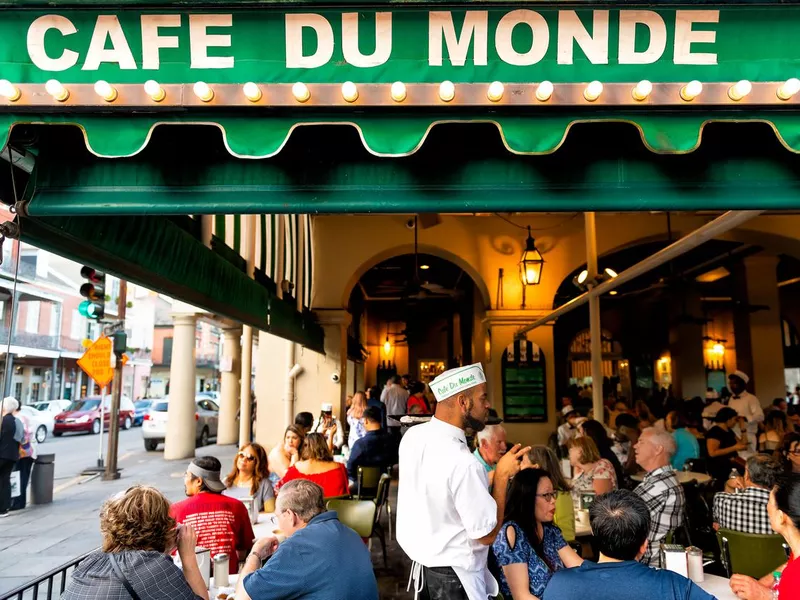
(96, 361)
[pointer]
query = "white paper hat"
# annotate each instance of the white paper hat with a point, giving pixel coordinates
(327, 407)
(741, 375)
(452, 382)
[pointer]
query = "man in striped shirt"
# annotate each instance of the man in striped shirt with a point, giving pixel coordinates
(743, 504)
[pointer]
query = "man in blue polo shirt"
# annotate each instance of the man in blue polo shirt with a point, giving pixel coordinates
(321, 559)
(620, 522)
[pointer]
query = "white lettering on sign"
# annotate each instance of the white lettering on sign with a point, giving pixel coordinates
(35, 42)
(383, 40)
(685, 36)
(475, 31)
(295, 59)
(628, 21)
(108, 27)
(153, 41)
(505, 30)
(200, 41)
(594, 45)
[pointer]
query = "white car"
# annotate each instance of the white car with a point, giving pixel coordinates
(154, 426)
(41, 423)
(51, 407)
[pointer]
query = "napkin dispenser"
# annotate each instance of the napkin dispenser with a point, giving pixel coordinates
(252, 508)
(673, 558)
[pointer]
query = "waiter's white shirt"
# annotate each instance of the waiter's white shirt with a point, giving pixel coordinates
(748, 406)
(566, 432)
(444, 505)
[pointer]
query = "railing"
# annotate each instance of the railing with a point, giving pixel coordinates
(30, 340)
(53, 591)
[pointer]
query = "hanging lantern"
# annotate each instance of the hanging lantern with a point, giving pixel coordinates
(531, 263)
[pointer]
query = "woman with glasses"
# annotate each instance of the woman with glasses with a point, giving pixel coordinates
(791, 453)
(250, 477)
(529, 548)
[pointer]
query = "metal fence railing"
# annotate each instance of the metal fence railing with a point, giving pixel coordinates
(49, 586)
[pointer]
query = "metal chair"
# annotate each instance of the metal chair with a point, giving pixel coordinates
(750, 554)
(367, 479)
(381, 500)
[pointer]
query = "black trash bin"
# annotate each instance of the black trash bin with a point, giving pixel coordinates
(42, 478)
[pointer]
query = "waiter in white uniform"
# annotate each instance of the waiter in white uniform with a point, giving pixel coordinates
(747, 406)
(446, 517)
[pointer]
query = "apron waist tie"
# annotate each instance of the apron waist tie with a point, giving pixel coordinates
(417, 575)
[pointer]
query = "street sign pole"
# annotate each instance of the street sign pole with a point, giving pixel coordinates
(120, 340)
(96, 363)
(100, 464)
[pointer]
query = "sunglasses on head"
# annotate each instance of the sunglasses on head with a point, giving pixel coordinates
(247, 457)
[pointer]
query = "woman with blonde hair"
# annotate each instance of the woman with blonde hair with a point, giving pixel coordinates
(250, 477)
(138, 536)
(355, 419)
(285, 455)
(591, 472)
(316, 464)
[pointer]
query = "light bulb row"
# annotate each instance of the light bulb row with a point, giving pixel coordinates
(495, 91)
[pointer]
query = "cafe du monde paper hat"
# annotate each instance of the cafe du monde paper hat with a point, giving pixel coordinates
(452, 382)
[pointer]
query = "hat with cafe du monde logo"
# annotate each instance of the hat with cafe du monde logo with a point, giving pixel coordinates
(452, 382)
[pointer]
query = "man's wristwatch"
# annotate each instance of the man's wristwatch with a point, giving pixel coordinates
(257, 556)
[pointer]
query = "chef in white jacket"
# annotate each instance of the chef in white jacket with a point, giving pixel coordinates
(446, 516)
(746, 405)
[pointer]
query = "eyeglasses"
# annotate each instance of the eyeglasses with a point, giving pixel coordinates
(549, 496)
(247, 457)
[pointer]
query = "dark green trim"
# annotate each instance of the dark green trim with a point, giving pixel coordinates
(237, 234)
(219, 226)
(263, 249)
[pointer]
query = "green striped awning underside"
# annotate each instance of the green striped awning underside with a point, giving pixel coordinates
(396, 135)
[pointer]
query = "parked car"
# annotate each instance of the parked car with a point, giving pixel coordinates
(52, 407)
(84, 416)
(40, 423)
(211, 395)
(206, 416)
(141, 408)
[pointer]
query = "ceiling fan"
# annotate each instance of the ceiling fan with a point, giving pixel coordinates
(417, 289)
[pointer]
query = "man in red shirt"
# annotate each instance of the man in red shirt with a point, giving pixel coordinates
(222, 524)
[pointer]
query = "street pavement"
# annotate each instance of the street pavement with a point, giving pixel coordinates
(41, 538)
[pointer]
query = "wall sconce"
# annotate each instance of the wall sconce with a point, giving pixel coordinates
(531, 263)
(387, 345)
(718, 349)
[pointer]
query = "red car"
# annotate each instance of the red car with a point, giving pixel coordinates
(84, 416)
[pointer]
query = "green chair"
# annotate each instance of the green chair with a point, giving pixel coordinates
(367, 480)
(381, 500)
(358, 515)
(750, 554)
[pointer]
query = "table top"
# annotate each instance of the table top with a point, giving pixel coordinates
(718, 586)
(267, 523)
(682, 476)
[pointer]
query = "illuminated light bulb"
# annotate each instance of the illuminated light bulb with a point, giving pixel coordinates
(251, 91)
(593, 91)
(642, 90)
(691, 90)
(399, 92)
(56, 90)
(495, 92)
(154, 90)
(447, 91)
(739, 90)
(105, 90)
(349, 91)
(544, 92)
(9, 90)
(788, 89)
(387, 347)
(301, 92)
(203, 91)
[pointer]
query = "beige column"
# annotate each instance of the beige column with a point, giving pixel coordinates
(245, 414)
(270, 383)
(766, 342)
(335, 324)
(229, 398)
(686, 347)
(181, 430)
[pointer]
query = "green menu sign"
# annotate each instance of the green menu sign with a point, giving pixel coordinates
(725, 43)
(524, 383)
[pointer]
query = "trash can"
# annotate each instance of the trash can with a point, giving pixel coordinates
(42, 478)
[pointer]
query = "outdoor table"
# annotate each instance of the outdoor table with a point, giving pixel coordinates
(682, 476)
(581, 529)
(717, 586)
(267, 523)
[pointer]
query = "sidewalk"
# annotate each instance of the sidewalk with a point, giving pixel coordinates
(41, 538)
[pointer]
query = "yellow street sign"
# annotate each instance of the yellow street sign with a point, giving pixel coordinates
(96, 362)
(124, 359)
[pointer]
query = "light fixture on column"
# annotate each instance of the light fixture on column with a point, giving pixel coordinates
(251, 91)
(593, 91)
(531, 263)
(9, 91)
(399, 92)
(387, 345)
(582, 281)
(789, 89)
(153, 89)
(495, 91)
(203, 91)
(56, 90)
(544, 91)
(642, 90)
(105, 90)
(447, 91)
(739, 90)
(718, 349)
(301, 92)
(349, 91)
(691, 90)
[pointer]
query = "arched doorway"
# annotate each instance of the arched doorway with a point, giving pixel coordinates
(616, 371)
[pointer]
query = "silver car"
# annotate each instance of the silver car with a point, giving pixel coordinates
(154, 426)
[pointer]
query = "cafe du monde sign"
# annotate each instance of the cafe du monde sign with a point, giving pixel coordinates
(129, 46)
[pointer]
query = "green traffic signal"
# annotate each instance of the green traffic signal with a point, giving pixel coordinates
(95, 293)
(91, 310)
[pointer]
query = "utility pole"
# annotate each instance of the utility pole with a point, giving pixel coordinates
(120, 344)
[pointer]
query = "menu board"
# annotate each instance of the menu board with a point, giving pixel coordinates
(524, 383)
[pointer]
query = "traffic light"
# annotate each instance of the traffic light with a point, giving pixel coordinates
(94, 307)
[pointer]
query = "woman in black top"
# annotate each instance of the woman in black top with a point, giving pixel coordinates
(723, 445)
(9, 451)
